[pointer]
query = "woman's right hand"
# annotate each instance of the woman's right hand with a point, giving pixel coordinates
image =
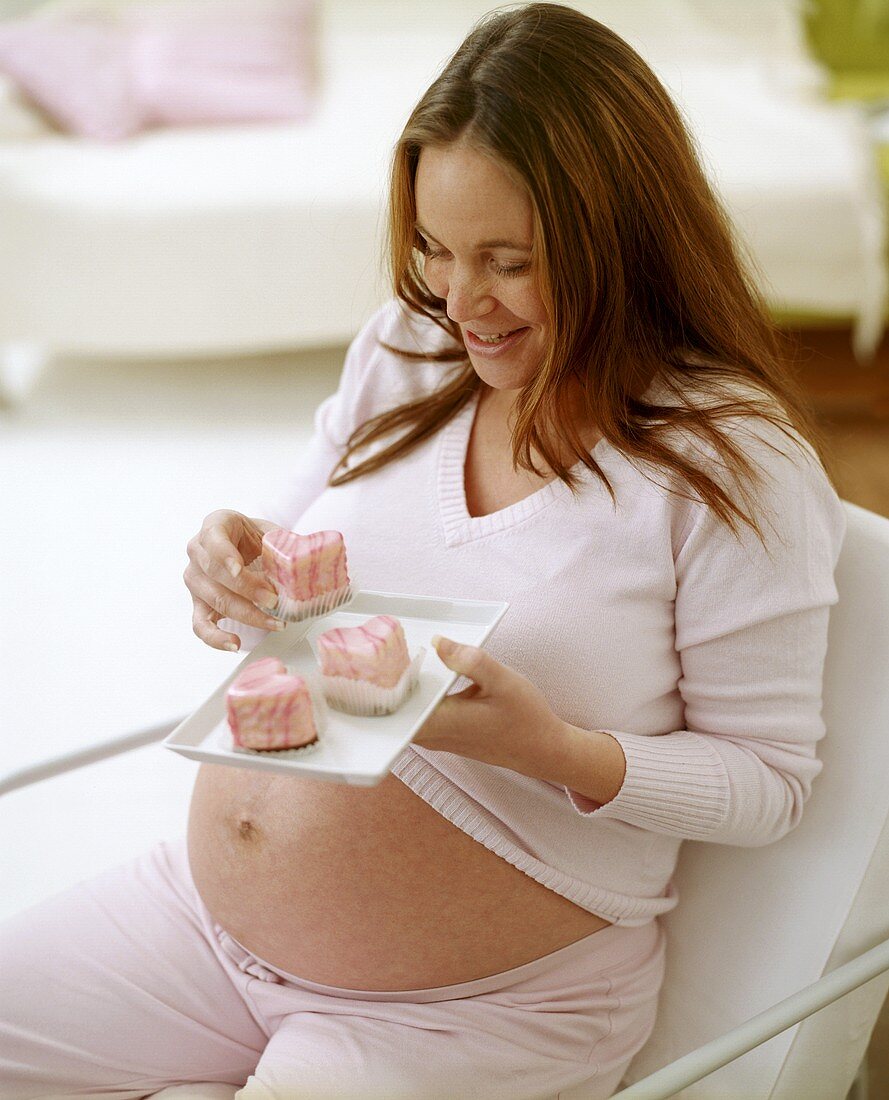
(219, 583)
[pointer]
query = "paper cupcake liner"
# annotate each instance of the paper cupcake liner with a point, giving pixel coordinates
(295, 611)
(303, 750)
(360, 697)
(319, 713)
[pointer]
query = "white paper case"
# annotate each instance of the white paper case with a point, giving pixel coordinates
(294, 611)
(319, 713)
(360, 697)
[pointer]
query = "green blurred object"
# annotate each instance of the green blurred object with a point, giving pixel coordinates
(849, 35)
(867, 85)
(851, 40)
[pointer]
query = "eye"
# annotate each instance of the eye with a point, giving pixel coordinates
(512, 270)
(428, 250)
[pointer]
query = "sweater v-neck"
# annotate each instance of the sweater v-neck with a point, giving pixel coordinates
(459, 526)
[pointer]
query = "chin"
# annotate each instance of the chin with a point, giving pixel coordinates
(503, 378)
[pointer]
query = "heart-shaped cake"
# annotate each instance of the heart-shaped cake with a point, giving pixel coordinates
(375, 652)
(269, 708)
(309, 572)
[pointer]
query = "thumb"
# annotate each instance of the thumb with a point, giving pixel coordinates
(478, 665)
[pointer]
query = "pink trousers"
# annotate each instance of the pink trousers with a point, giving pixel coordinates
(123, 985)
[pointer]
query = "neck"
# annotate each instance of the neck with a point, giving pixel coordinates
(498, 406)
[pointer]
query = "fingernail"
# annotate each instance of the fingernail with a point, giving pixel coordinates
(275, 624)
(267, 599)
(231, 647)
(443, 645)
(234, 567)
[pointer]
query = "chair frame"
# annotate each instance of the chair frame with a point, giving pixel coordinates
(663, 1083)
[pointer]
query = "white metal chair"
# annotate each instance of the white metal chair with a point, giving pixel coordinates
(764, 937)
(757, 925)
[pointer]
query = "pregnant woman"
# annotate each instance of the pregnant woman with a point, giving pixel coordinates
(574, 403)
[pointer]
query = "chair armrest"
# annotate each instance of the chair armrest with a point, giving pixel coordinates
(691, 1067)
(57, 765)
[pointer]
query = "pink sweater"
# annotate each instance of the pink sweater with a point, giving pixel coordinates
(703, 656)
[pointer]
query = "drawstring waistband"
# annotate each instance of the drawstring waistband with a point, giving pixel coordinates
(615, 942)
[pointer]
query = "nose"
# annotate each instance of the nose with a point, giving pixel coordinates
(468, 297)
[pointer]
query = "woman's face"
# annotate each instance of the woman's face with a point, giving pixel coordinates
(477, 225)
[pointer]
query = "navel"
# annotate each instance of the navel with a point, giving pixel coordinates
(246, 829)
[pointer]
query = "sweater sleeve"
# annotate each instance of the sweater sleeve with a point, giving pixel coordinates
(751, 633)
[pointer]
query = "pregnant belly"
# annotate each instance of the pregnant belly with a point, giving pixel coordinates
(364, 887)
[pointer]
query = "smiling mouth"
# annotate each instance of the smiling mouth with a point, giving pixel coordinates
(494, 338)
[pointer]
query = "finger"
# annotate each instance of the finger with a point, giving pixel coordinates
(218, 540)
(467, 694)
(263, 526)
(470, 661)
(244, 535)
(241, 535)
(203, 623)
(226, 602)
(215, 555)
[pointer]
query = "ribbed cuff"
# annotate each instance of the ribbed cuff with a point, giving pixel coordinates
(675, 783)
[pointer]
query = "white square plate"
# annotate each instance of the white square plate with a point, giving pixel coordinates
(351, 749)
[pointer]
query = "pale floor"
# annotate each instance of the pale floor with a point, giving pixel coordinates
(108, 469)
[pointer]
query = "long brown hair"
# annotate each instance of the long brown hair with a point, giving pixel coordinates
(634, 258)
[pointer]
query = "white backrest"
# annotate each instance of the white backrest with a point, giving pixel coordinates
(754, 925)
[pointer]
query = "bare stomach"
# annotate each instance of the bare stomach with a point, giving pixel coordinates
(364, 887)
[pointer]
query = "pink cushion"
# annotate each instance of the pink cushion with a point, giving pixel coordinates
(106, 77)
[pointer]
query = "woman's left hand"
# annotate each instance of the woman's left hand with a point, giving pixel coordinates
(501, 718)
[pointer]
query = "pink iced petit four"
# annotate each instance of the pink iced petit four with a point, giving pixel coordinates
(375, 652)
(269, 709)
(367, 669)
(309, 572)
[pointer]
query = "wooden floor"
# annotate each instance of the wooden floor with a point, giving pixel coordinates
(851, 401)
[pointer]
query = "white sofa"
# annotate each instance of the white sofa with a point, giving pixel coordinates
(227, 240)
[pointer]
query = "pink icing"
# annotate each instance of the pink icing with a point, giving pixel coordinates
(302, 567)
(375, 652)
(259, 671)
(268, 708)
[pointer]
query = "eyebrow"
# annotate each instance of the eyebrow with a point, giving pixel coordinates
(498, 242)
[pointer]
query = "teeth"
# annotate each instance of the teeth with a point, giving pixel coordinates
(492, 339)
